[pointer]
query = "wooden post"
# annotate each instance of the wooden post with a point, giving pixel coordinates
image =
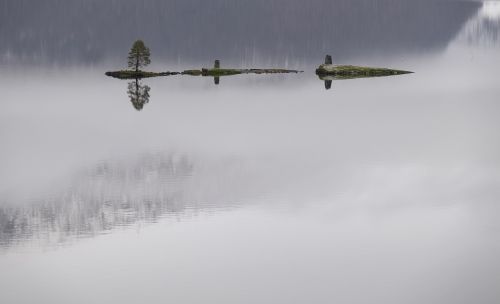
(328, 59)
(217, 64)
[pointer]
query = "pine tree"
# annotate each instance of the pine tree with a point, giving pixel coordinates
(138, 56)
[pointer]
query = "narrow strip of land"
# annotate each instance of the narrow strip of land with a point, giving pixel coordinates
(351, 71)
(128, 74)
(217, 72)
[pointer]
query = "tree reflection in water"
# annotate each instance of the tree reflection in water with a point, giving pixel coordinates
(138, 94)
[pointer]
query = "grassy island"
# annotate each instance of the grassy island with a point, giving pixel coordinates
(217, 72)
(127, 74)
(351, 71)
(138, 57)
(329, 71)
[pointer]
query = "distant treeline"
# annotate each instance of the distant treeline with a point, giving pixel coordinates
(284, 32)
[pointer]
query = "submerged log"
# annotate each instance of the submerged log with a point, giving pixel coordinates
(127, 74)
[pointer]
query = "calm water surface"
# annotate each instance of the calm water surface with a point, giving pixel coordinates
(264, 188)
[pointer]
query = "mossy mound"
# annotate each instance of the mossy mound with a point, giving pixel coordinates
(351, 71)
(127, 74)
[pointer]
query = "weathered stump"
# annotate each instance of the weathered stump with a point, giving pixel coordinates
(328, 59)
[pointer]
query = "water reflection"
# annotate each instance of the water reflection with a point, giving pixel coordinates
(109, 195)
(484, 28)
(392, 189)
(138, 94)
(328, 84)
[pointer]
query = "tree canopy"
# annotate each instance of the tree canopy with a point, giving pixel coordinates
(138, 56)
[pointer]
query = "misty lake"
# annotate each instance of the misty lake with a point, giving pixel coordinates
(263, 188)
